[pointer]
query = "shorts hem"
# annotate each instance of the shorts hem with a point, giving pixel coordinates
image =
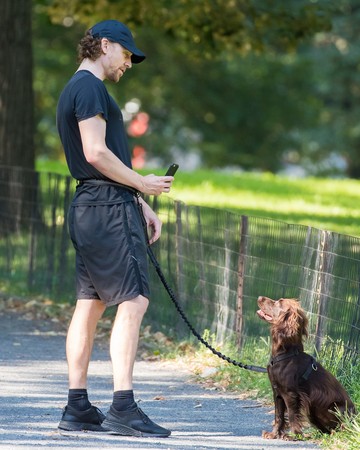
(87, 297)
(125, 298)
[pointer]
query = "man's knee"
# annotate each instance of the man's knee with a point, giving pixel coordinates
(134, 307)
(144, 302)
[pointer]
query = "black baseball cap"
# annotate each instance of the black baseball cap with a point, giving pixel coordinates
(118, 32)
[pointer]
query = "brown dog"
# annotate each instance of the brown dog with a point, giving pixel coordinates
(301, 386)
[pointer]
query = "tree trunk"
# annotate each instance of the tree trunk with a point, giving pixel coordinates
(16, 107)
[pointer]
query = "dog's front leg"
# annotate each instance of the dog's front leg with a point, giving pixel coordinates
(278, 430)
(293, 405)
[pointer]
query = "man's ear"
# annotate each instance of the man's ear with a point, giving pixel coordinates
(105, 45)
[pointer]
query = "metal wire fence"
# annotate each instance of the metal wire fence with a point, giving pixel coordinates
(216, 261)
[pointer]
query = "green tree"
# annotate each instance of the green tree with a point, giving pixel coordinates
(54, 63)
(337, 56)
(204, 27)
(203, 85)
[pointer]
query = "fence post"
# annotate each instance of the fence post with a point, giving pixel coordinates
(179, 257)
(204, 293)
(325, 263)
(224, 290)
(241, 277)
(33, 229)
(64, 240)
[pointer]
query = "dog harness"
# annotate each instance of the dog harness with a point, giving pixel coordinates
(311, 367)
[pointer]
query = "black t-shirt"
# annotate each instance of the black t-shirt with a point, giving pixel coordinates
(83, 97)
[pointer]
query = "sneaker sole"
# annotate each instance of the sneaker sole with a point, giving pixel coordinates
(122, 430)
(78, 426)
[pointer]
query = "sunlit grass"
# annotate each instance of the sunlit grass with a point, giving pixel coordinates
(327, 204)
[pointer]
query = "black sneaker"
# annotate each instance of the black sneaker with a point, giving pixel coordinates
(132, 423)
(89, 420)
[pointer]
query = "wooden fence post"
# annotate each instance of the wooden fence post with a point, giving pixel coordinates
(325, 264)
(179, 257)
(241, 277)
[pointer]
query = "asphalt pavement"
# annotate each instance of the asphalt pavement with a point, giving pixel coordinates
(33, 391)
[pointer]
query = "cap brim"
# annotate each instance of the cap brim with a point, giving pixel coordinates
(137, 55)
(137, 58)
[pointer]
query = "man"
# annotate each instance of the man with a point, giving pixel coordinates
(106, 229)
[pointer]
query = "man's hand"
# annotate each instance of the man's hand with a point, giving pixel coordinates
(153, 223)
(156, 185)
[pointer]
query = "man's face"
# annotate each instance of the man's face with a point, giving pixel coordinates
(117, 61)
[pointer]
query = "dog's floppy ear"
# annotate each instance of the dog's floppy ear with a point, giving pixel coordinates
(303, 322)
(293, 322)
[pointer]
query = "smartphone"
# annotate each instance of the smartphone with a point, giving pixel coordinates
(172, 170)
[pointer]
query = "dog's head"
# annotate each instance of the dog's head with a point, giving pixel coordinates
(287, 319)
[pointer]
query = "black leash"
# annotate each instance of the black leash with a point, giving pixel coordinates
(180, 310)
(186, 320)
(165, 283)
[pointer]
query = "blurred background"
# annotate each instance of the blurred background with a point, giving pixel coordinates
(254, 85)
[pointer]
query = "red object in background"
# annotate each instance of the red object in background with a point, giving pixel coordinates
(138, 159)
(139, 125)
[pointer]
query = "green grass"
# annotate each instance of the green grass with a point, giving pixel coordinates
(46, 165)
(327, 204)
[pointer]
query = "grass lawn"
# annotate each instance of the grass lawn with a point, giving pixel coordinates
(328, 204)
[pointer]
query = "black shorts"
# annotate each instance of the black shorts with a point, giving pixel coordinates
(108, 235)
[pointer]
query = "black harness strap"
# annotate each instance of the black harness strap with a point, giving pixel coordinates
(311, 367)
(282, 356)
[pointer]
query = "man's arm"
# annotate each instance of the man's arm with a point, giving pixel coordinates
(97, 154)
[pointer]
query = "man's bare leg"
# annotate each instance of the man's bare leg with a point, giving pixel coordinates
(124, 417)
(124, 340)
(80, 340)
(79, 414)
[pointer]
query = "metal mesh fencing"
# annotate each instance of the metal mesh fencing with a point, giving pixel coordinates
(217, 262)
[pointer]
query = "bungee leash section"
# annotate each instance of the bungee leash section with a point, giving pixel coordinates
(179, 308)
(192, 329)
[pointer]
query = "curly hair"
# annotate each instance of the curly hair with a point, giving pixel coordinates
(89, 47)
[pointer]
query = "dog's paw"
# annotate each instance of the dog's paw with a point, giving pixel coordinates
(268, 435)
(292, 437)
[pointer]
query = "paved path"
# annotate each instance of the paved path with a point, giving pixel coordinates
(33, 390)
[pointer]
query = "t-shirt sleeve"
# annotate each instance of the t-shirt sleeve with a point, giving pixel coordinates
(90, 99)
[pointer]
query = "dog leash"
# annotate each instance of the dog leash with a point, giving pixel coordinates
(179, 308)
(160, 273)
(192, 329)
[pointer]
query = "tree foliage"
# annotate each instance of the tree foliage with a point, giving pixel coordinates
(219, 79)
(205, 27)
(336, 56)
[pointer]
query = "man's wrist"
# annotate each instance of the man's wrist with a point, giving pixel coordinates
(139, 182)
